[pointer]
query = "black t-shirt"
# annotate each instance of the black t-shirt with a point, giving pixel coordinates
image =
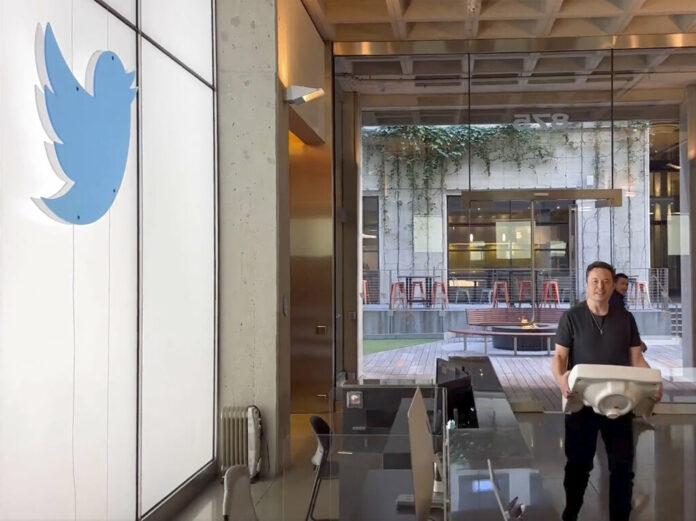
(617, 300)
(604, 340)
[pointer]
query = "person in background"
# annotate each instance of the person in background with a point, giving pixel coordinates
(618, 297)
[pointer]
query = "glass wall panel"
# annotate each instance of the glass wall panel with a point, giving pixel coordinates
(178, 269)
(187, 32)
(540, 120)
(651, 100)
(586, 124)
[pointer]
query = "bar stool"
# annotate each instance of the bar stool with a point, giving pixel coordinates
(549, 293)
(417, 284)
(497, 286)
(524, 285)
(365, 292)
(397, 293)
(443, 287)
(642, 291)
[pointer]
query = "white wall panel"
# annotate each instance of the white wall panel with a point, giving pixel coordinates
(124, 7)
(68, 297)
(185, 31)
(177, 367)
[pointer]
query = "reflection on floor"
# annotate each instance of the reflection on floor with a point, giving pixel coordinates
(526, 378)
(664, 486)
(665, 466)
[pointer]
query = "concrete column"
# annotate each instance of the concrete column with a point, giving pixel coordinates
(687, 193)
(253, 217)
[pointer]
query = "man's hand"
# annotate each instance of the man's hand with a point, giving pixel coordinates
(563, 385)
(658, 396)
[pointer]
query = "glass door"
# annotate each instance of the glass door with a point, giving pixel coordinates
(490, 252)
(553, 277)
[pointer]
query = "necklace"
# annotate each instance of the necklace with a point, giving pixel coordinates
(600, 329)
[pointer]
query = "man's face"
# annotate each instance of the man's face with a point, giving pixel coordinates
(600, 284)
(621, 285)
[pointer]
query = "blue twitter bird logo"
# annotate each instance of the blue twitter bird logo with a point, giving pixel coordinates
(89, 127)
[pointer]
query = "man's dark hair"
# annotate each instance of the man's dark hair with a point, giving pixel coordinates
(602, 265)
(620, 276)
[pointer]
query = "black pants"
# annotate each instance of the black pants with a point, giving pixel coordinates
(581, 430)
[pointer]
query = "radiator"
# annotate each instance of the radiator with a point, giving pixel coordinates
(235, 437)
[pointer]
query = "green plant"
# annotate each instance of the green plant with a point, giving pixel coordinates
(426, 151)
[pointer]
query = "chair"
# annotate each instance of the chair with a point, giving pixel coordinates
(500, 285)
(525, 287)
(237, 500)
(549, 293)
(443, 290)
(397, 294)
(324, 468)
(458, 287)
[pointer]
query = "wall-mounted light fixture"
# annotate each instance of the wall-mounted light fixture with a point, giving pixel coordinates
(297, 94)
(673, 166)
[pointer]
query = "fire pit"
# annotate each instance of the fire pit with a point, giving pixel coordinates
(525, 342)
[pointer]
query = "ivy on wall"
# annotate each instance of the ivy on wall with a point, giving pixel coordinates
(434, 146)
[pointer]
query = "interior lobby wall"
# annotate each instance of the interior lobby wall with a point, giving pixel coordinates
(85, 401)
(68, 340)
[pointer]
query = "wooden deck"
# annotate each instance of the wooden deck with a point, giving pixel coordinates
(526, 378)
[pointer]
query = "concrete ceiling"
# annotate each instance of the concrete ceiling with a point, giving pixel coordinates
(492, 88)
(497, 87)
(398, 20)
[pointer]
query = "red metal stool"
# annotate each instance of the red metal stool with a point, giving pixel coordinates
(397, 293)
(549, 293)
(525, 285)
(443, 288)
(497, 286)
(365, 292)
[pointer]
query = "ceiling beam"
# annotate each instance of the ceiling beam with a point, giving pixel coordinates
(529, 63)
(396, 9)
(471, 22)
(685, 22)
(317, 12)
(591, 63)
(406, 65)
(630, 9)
(393, 101)
(652, 61)
(545, 25)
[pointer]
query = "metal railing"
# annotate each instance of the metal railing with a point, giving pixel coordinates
(421, 288)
